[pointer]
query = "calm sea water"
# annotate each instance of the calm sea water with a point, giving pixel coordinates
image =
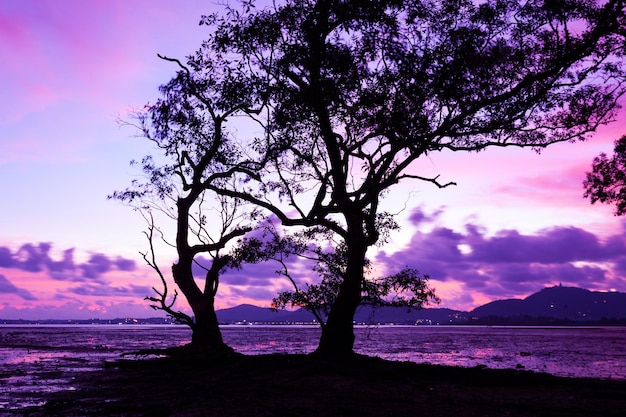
(38, 359)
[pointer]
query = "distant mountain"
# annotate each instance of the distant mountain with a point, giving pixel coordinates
(561, 303)
(400, 315)
(554, 305)
(247, 313)
(551, 306)
(366, 315)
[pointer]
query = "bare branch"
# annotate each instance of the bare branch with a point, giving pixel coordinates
(431, 180)
(161, 302)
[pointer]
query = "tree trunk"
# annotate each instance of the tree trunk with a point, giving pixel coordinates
(337, 337)
(206, 333)
(338, 334)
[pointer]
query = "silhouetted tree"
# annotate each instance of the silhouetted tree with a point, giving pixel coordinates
(606, 182)
(339, 97)
(406, 288)
(327, 259)
(355, 91)
(187, 126)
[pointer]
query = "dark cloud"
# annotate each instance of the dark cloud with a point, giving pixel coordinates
(419, 216)
(7, 287)
(65, 264)
(36, 258)
(124, 264)
(97, 265)
(556, 245)
(256, 274)
(32, 258)
(620, 266)
(509, 262)
(6, 258)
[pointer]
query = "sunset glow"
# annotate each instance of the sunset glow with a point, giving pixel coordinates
(515, 222)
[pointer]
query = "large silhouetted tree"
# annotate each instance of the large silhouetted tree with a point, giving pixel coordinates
(354, 91)
(606, 182)
(338, 98)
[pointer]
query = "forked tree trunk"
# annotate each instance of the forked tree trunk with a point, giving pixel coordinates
(337, 337)
(206, 333)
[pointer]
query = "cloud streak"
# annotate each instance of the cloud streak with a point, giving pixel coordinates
(508, 262)
(7, 287)
(95, 290)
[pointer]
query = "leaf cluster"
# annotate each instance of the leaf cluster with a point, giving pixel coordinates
(406, 288)
(354, 91)
(606, 182)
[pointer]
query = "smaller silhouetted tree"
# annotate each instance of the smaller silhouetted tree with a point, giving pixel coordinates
(406, 288)
(194, 154)
(354, 92)
(606, 182)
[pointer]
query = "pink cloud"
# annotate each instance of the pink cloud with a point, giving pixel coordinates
(7, 287)
(94, 51)
(74, 309)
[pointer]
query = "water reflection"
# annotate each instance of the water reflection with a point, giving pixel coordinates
(34, 360)
(586, 352)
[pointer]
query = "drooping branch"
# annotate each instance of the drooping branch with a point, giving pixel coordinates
(297, 298)
(162, 302)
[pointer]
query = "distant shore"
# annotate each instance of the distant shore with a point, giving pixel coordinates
(189, 384)
(489, 321)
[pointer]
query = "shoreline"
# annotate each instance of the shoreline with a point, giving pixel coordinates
(190, 384)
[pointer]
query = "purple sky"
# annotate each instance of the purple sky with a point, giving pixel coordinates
(516, 221)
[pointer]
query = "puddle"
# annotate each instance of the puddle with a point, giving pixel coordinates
(36, 361)
(28, 375)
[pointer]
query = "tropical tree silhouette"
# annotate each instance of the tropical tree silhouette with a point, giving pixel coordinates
(330, 102)
(354, 92)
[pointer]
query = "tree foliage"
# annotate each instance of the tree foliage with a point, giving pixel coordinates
(329, 103)
(406, 288)
(355, 91)
(606, 182)
(314, 250)
(187, 126)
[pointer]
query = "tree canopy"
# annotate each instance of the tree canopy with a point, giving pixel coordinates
(355, 91)
(187, 126)
(324, 105)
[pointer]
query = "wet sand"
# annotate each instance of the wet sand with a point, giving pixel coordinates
(188, 384)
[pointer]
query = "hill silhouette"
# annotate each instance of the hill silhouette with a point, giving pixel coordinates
(555, 305)
(249, 314)
(560, 303)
